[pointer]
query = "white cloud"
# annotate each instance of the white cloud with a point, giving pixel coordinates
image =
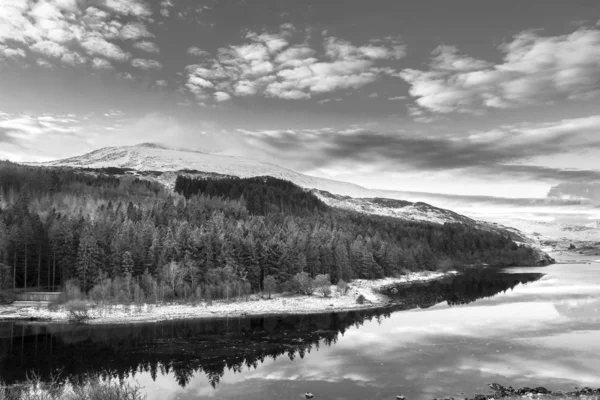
(7, 52)
(74, 32)
(135, 8)
(135, 30)
(100, 63)
(196, 51)
(96, 45)
(267, 64)
(145, 64)
(397, 98)
(27, 127)
(147, 46)
(222, 96)
(373, 95)
(49, 48)
(535, 70)
(165, 7)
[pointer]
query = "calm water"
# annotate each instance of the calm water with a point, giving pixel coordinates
(521, 327)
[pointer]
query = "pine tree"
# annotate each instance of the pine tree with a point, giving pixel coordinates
(127, 264)
(89, 259)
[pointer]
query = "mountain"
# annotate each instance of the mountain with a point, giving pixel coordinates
(162, 163)
(152, 157)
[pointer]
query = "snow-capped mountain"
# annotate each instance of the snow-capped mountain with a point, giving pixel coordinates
(162, 163)
(156, 157)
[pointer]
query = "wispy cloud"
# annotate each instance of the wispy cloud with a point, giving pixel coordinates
(505, 151)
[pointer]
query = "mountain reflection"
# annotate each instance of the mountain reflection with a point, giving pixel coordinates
(189, 347)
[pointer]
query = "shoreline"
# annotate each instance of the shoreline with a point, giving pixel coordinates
(255, 306)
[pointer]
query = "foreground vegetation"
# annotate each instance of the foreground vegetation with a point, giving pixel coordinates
(500, 392)
(91, 388)
(133, 240)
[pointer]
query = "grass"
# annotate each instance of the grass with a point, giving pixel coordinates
(93, 388)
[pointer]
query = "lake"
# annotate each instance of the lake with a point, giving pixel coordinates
(518, 326)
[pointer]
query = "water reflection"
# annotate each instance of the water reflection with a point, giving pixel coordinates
(187, 350)
(462, 289)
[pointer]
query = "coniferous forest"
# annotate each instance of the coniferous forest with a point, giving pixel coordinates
(211, 237)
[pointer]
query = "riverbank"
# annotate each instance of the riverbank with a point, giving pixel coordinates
(500, 392)
(254, 305)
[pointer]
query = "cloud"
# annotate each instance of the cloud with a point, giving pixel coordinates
(145, 64)
(397, 98)
(96, 45)
(165, 7)
(134, 31)
(9, 53)
(25, 129)
(373, 95)
(147, 46)
(222, 96)
(534, 70)
(134, 8)
(196, 51)
(100, 63)
(269, 65)
(502, 152)
(73, 32)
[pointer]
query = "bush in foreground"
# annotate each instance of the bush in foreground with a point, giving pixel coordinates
(93, 388)
(77, 310)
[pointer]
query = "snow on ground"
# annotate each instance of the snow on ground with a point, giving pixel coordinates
(279, 304)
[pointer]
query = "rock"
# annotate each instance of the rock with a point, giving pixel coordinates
(400, 397)
(542, 390)
(309, 395)
(394, 291)
(480, 397)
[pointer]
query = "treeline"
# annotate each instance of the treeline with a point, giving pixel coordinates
(217, 237)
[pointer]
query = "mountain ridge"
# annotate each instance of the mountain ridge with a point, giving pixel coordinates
(163, 163)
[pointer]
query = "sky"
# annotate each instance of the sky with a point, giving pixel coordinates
(464, 97)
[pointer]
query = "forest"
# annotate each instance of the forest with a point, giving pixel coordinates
(122, 236)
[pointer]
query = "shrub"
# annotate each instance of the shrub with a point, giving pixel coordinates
(77, 310)
(92, 388)
(72, 290)
(270, 285)
(323, 284)
(342, 287)
(361, 299)
(304, 283)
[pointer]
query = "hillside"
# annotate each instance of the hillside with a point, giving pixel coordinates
(414, 211)
(212, 237)
(163, 164)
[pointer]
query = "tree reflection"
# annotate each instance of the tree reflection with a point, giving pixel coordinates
(190, 347)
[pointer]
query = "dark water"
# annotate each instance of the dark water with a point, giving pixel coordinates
(520, 327)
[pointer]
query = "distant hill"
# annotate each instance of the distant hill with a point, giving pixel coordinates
(577, 190)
